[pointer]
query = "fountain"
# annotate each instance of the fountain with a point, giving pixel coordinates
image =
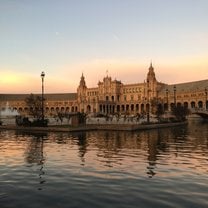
(8, 112)
(7, 115)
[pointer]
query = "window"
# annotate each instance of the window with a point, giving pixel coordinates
(139, 97)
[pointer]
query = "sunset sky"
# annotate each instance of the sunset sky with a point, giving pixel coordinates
(64, 38)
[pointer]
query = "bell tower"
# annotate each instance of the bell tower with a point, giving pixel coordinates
(151, 82)
(81, 93)
(82, 82)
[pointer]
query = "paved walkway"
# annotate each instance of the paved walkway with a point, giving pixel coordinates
(108, 127)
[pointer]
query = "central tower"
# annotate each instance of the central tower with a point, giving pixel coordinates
(151, 82)
(81, 93)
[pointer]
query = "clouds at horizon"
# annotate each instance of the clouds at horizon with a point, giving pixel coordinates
(66, 78)
(65, 38)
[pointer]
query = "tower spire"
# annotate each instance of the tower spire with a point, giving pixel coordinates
(151, 73)
(107, 73)
(151, 67)
(82, 81)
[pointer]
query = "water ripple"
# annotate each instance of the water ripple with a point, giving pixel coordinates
(157, 168)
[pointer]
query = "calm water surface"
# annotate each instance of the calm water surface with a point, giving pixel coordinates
(157, 168)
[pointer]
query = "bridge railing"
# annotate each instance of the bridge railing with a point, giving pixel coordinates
(198, 110)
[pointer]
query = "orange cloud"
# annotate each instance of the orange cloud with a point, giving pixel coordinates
(66, 78)
(95, 70)
(13, 82)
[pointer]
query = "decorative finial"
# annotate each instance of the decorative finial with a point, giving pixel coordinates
(151, 67)
(82, 77)
(106, 73)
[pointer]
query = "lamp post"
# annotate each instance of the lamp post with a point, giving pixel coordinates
(148, 107)
(174, 90)
(205, 98)
(167, 98)
(0, 115)
(42, 108)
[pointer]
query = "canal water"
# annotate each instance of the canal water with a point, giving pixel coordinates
(102, 169)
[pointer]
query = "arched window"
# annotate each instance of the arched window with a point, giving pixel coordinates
(193, 105)
(142, 107)
(122, 108)
(185, 104)
(200, 104)
(88, 109)
(137, 107)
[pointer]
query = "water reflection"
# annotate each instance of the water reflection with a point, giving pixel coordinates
(34, 152)
(82, 145)
(112, 149)
(60, 169)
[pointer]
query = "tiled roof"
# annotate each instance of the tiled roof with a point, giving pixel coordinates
(186, 87)
(52, 96)
(62, 96)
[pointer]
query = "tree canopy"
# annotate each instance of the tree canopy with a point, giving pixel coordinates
(34, 103)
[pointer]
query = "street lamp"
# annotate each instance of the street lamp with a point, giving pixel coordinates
(148, 107)
(42, 108)
(167, 98)
(174, 90)
(0, 115)
(205, 98)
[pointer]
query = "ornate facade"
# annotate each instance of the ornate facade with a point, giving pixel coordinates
(112, 96)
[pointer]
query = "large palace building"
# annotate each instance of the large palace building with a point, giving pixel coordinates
(112, 96)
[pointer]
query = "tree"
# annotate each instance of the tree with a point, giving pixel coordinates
(180, 112)
(159, 111)
(154, 105)
(82, 118)
(34, 103)
(157, 108)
